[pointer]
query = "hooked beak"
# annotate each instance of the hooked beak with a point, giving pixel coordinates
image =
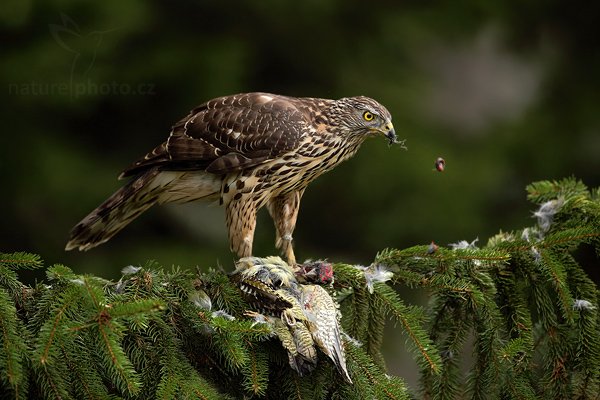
(388, 131)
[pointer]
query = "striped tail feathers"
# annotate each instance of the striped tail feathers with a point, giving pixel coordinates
(116, 212)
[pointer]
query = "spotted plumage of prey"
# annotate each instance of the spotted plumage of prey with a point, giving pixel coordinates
(303, 316)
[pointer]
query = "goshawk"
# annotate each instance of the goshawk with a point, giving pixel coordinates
(244, 151)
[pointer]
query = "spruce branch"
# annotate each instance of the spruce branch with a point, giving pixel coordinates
(374, 383)
(21, 260)
(52, 328)
(257, 372)
(411, 321)
(13, 344)
(522, 304)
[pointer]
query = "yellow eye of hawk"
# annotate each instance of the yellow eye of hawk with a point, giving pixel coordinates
(368, 116)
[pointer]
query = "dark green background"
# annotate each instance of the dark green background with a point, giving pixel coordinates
(508, 92)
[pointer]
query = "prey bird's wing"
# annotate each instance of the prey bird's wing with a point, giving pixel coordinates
(231, 133)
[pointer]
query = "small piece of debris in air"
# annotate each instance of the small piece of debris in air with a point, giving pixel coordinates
(440, 164)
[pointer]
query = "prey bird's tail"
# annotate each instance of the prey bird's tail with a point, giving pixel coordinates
(116, 212)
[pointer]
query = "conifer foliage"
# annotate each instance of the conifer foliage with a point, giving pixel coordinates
(515, 319)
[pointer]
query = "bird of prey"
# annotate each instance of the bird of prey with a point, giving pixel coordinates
(243, 151)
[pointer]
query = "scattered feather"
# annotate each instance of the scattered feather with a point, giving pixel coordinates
(375, 273)
(537, 256)
(119, 286)
(401, 143)
(500, 237)
(130, 270)
(259, 319)
(223, 314)
(526, 235)
(200, 299)
(464, 245)
(350, 339)
(583, 305)
(545, 214)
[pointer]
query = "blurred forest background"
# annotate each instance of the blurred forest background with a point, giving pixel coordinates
(508, 92)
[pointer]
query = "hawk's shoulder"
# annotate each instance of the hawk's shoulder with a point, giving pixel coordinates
(234, 132)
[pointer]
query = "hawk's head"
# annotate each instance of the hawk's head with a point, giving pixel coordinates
(362, 116)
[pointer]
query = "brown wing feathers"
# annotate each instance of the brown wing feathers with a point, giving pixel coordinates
(227, 134)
